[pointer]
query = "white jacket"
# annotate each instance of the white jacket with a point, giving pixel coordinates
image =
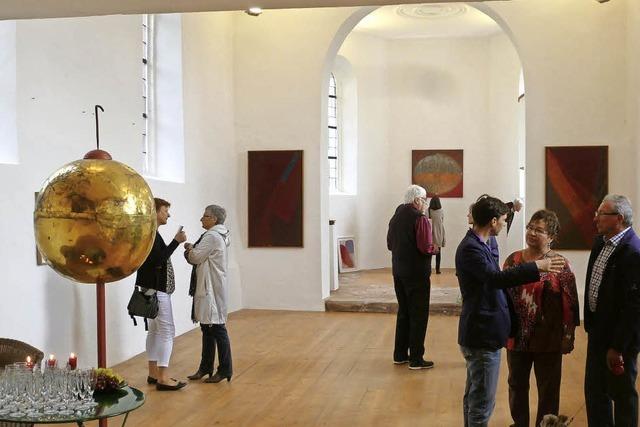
(210, 259)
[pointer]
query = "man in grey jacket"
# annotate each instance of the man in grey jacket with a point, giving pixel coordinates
(209, 289)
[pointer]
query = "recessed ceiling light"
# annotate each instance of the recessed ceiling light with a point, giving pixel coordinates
(253, 11)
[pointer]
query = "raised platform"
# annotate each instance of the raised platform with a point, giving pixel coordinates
(371, 291)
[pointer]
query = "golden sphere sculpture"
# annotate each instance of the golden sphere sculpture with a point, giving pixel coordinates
(95, 220)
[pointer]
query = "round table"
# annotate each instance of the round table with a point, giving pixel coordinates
(112, 404)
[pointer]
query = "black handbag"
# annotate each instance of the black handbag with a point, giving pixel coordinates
(142, 305)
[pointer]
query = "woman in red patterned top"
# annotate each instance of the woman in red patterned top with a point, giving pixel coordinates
(547, 313)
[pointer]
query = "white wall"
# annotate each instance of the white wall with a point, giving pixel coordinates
(429, 94)
(576, 88)
(278, 84)
(633, 91)
(64, 67)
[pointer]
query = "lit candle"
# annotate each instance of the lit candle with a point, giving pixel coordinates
(51, 362)
(29, 363)
(73, 361)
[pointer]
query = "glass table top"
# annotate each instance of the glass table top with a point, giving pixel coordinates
(111, 404)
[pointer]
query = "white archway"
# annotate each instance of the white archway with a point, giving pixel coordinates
(332, 51)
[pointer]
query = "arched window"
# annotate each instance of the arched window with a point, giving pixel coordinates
(334, 136)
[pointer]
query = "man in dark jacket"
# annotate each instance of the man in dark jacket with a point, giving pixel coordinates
(485, 321)
(410, 242)
(612, 317)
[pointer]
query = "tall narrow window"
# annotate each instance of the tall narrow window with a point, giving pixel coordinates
(8, 95)
(147, 51)
(163, 125)
(334, 140)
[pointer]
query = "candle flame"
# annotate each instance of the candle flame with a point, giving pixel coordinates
(52, 357)
(28, 359)
(72, 355)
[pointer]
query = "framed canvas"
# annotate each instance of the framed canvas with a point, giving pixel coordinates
(440, 172)
(275, 198)
(576, 182)
(346, 254)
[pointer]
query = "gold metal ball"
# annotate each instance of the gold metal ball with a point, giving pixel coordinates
(95, 220)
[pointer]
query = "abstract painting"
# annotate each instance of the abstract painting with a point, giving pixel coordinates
(275, 198)
(440, 172)
(346, 254)
(577, 180)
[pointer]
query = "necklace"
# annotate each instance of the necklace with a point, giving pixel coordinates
(528, 256)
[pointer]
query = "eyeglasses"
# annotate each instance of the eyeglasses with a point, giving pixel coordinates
(535, 230)
(596, 213)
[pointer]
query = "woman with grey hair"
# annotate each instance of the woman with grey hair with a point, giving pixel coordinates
(209, 289)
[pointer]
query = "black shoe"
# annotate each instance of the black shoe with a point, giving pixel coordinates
(400, 362)
(438, 272)
(421, 364)
(151, 380)
(217, 378)
(167, 387)
(198, 375)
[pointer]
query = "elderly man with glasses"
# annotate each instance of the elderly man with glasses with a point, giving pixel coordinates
(612, 317)
(410, 241)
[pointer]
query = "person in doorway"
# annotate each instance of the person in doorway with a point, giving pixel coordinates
(156, 275)
(210, 289)
(612, 317)
(485, 321)
(547, 312)
(409, 240)
(436, 215)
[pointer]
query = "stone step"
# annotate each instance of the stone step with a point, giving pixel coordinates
(386, 307)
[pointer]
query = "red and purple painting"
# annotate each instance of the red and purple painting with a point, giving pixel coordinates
(440, 172)
(275, 198)
(577, 180)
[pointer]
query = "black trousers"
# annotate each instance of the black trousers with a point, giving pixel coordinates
(603, 391)
(438, 258)
(215, 336)
(413, 314)
(548, 370)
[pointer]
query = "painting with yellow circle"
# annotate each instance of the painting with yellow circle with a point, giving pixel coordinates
(440, 172)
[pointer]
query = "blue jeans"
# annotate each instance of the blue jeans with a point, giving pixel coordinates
(483, 367)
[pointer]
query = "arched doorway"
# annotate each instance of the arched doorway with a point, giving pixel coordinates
(448, 90)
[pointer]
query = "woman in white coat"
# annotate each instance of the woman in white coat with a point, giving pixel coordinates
(209, 288)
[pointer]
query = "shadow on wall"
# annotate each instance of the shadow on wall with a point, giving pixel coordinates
(61, 300)
(435, 84)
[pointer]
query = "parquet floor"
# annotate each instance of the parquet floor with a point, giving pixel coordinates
(327, 369)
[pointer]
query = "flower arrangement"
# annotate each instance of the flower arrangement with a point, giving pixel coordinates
(107, 380)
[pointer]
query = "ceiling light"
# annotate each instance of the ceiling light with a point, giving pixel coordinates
(253, 11)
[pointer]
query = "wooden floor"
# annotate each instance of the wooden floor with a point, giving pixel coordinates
(326, 369)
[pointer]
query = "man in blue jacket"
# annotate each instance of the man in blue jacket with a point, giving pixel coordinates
(485, 321)
(612, 317)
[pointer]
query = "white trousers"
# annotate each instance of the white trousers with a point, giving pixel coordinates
(161, 332)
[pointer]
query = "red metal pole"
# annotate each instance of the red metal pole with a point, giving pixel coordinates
(102, 332)
(102, 335)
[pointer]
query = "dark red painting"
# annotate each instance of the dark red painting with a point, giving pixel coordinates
(440, 172)
(577, 181)
(275, 198)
